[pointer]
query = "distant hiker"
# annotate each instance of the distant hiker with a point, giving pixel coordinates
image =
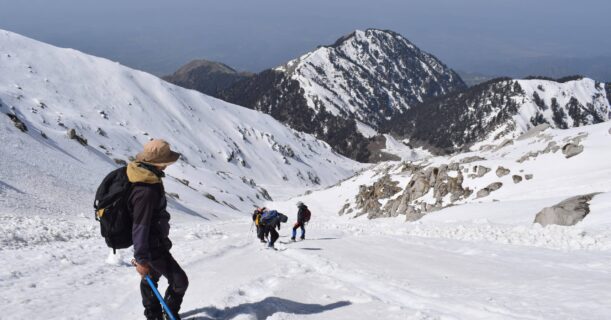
(303, 216)
(269, 221)
(151, 228)
(256, 219)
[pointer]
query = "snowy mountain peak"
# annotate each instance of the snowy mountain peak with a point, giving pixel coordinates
(352, 86)
(372, 74)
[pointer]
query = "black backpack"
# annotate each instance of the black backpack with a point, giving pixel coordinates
(112, 211)
(307, 215)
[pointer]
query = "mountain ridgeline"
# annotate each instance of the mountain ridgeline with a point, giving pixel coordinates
(344, 92)
(375, 82)
(502, 108)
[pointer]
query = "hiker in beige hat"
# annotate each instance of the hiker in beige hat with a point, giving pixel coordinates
(151, 228)
(157, 152)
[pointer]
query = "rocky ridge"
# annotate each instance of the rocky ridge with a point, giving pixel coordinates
(501, 110)
(415, 189)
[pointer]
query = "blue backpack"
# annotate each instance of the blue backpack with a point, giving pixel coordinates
(271, 217)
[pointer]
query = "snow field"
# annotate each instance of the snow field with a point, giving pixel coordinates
(345, 269)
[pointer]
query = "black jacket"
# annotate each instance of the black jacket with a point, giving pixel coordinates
(148, 203)
(301, 214)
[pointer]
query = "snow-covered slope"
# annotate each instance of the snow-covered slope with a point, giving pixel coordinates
(503, 109)
(539, 169)
(481, 258)
(233, 157)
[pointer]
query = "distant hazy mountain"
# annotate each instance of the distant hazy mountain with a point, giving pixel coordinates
(474, 78)
(597, 68)
(208, 77)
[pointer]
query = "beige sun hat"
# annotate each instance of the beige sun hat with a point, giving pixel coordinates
(157, 152)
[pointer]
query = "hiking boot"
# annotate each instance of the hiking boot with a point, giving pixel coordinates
(302, 238)
(153, 313)
(166, 317)
(293, 239)
(155, 317)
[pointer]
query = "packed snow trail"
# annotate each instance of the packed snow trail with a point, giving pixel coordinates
(344, 270)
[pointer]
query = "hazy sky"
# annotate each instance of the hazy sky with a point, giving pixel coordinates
(160, 35)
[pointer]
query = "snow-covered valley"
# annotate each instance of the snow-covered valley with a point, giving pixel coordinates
(472, 250)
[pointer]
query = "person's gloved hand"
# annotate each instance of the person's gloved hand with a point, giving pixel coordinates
(142, 268)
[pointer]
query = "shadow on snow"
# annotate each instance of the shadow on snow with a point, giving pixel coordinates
(262, 309)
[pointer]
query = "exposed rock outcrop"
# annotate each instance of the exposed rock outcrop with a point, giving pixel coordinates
(566, 213)
(489, 189)
(570, 150)
(74, 136)
(479, 171)
(501, 171)
(367, 200)
(471, 159)
(445, 185)
(516, 178)
(18, 123)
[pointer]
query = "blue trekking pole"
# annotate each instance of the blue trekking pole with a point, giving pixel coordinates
(165, 306)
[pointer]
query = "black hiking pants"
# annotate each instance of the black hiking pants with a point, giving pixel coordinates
(163, 264)
(273, 235)
(261, 233)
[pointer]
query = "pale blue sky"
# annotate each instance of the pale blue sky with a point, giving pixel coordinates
(160, 35)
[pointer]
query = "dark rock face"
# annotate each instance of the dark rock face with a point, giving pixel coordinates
(273, 93)
(206, 76)
(75, 136)
(367, 76)
(460, 119)
(17, 122)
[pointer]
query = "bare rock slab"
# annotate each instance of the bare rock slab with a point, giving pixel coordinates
(516, 178)
(502, 171)
(570, 150)
(566, 213)
(489, 189)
